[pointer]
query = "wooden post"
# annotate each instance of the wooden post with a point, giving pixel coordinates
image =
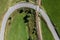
(38, 21)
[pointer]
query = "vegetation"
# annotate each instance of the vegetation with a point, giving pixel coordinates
(18, 30)
(27, 0)
(4, 5)
(52, 8)
(22, 26)
(30, 20)
(32, 28)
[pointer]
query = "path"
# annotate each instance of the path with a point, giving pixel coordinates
(29, 5)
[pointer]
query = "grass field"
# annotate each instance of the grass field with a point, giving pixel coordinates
(4, 5)
(52, 8)
(3, 8)
(18, 30)
(46, 34)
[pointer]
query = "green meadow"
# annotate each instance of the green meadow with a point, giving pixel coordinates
(52, 8)
(18, 29)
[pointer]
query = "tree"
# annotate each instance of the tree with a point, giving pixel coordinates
(27, 0)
